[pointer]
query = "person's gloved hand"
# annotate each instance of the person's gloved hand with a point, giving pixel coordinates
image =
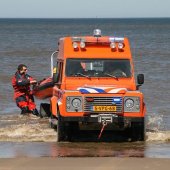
(33, 82)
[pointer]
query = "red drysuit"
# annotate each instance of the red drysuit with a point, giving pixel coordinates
(22, 92)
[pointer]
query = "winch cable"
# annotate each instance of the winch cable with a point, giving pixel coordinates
(102, 129)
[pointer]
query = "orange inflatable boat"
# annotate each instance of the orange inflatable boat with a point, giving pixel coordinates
(44, 89)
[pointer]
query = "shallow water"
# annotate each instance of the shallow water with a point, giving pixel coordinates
(23, 136)
(52, 149)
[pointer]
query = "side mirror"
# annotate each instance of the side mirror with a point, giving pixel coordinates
(140, 79)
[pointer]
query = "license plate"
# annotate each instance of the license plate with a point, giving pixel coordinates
(104, 108)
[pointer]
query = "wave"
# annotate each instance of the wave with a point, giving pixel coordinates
(17, 128)
(156, 129)
(23, 129)
(163, 136)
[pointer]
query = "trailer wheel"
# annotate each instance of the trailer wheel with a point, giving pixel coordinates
(45, 110)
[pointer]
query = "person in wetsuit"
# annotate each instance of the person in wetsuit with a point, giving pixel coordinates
(21, 83)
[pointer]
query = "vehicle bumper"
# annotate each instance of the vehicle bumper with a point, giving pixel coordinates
(98, 119)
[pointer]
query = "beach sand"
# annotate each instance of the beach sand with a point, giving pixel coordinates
(84, 163)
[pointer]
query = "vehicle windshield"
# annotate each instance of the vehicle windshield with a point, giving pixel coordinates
(116, 68)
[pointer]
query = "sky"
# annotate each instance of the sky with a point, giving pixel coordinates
(84, 8)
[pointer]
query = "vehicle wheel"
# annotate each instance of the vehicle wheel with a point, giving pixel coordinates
(72, 130)
(137, 131)
(44, 110)
(61, 130)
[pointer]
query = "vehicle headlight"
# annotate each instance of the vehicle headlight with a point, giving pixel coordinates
(131, 104)
(76, 103)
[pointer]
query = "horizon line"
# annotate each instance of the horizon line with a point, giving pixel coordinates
(84, 18)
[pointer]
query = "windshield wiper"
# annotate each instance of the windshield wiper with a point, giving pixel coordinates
(81, 74)
(110, 75)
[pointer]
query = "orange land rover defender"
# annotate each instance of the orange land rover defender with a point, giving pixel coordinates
(94, 83)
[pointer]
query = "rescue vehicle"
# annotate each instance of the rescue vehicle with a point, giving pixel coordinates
(93, 83)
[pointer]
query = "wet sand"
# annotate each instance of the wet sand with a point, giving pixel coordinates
(84, 163)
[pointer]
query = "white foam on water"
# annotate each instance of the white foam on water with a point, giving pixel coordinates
(154, 122)
(163, 136)
(21, 129)
(156, 128)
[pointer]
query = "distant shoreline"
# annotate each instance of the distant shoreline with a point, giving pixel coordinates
(131, 18)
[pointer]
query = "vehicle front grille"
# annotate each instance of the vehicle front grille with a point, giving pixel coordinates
(103, 101)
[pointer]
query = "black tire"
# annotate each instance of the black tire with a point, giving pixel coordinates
(61, 130)
(45, 110)
(137, 131)
(72, 130)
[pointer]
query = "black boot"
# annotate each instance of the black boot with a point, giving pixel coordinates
(35, 112)
(24, 110)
